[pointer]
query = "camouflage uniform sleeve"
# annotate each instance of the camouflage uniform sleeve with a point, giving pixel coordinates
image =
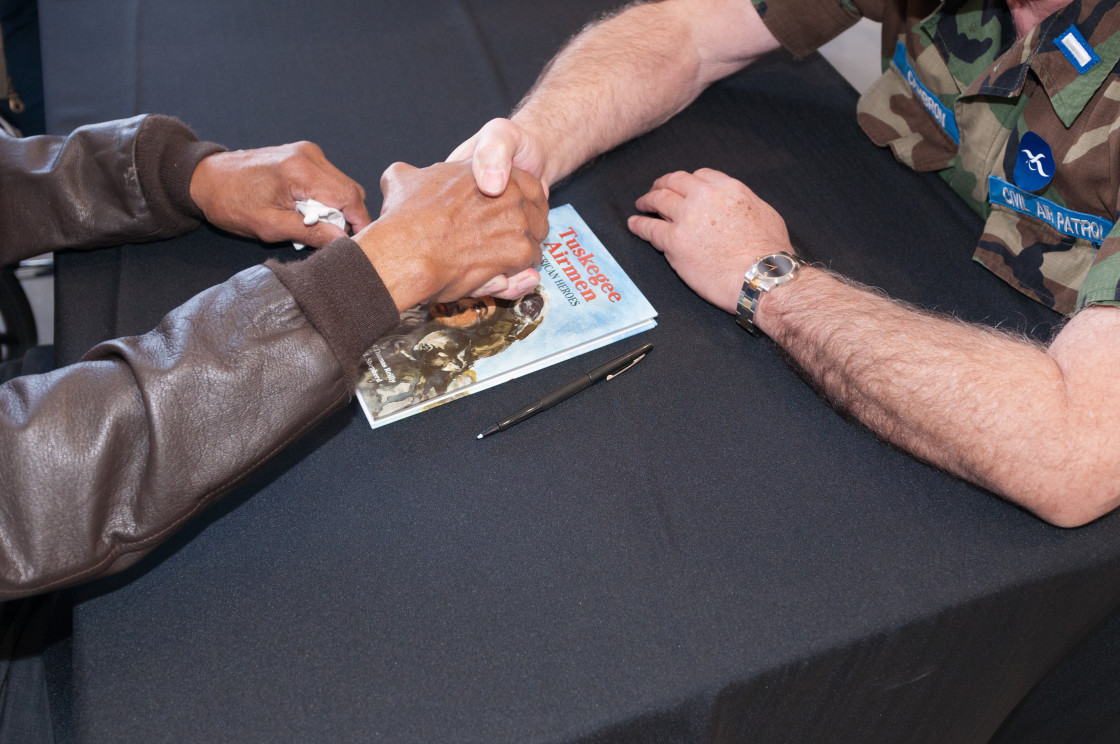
(1102, 283)
(804, 25)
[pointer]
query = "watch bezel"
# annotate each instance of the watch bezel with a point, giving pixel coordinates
(755, 282)
(767, 281)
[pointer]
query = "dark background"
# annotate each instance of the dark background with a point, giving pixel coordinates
(698, 551)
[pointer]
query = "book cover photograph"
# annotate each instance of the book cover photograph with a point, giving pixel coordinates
(445, 350)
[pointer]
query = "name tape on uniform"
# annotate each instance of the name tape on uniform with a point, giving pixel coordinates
(1064, 220)
(941, 113)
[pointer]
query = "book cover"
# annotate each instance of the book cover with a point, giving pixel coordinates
(443, 351)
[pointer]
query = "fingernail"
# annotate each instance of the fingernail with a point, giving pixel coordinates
(491, 181)
(527, 283)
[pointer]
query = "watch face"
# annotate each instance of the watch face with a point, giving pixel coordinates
(775, 266)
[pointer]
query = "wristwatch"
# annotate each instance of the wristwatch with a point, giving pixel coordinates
(766, 273)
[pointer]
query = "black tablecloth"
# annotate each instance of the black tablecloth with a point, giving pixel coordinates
(699, 551)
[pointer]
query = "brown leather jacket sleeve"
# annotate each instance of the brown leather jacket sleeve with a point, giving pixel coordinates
(105, 184)
(102, 460)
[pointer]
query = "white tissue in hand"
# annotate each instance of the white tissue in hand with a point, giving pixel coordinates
(314, 211)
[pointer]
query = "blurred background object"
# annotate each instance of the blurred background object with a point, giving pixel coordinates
(21, 78)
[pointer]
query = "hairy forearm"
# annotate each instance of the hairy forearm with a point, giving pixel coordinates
(626, 75)
(995, 409)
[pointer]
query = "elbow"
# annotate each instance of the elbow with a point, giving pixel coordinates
(1073, 504)
(1068, 518)
(17, 585)
(1067, 486)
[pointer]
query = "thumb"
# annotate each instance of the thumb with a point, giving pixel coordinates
(288, 225)
(320, 234)
(496, 146)
(491, 167)
(463, 151)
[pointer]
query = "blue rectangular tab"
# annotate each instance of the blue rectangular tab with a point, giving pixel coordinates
(941, 113)
(1064, 220)
(1077, 50)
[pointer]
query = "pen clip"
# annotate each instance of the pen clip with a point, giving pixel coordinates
(613, 375)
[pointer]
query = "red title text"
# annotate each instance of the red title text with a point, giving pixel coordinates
(569, 256)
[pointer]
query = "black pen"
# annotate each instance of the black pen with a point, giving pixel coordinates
(611, 369)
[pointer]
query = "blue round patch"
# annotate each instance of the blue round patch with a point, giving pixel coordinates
(1034, 166)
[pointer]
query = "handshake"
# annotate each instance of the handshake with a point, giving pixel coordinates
(438, 237)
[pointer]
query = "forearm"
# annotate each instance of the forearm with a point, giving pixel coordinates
(989, 407)
(104, 459)
(105, 184)
(628, 74)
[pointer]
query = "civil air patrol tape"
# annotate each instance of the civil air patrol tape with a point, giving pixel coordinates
(1064, 220)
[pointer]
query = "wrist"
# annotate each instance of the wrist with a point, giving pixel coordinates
(409, 282)
(342, 296)
(776, 305)
(766, 273)
(547, 144)
(197, 188)
(167, 156)
(181, 177)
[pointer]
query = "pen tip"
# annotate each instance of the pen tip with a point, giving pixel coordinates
(488, 432)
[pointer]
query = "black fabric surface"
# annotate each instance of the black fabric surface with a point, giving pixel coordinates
(25, 714)
(699, 551)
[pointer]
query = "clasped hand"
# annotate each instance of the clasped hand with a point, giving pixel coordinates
(437, 237)
(440, 238)
(496, 149)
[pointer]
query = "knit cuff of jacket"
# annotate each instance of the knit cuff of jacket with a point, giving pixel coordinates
(167, 152)
(344, 298)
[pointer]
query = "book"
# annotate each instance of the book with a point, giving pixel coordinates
(442, 351)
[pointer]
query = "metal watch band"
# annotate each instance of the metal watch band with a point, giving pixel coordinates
(748, 303)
